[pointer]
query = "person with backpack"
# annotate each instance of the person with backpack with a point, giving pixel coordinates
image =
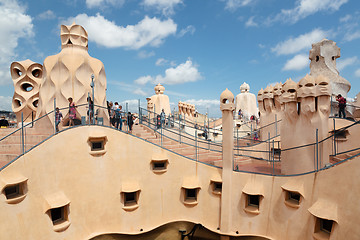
(342, 105)
(118, 116)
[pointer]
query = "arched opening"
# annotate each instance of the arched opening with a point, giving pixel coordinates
(27, 87)
(36, 73)
(36, 103)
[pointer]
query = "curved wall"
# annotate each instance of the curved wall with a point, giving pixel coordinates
(64, 171)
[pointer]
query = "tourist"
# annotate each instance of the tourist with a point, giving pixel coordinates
(90, 112)
(58, 118)
(130, 121)
(111, 114)
(342, 105)
(239, 114)
(118, 116)
(206, 131)
(256, 135)
(162, 117)
(72, 111)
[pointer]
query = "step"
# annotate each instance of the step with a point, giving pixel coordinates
(14, 148)
(31, 139)
(5, 158)
(28, 130)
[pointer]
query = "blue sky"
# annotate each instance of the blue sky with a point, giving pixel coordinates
(195, 48)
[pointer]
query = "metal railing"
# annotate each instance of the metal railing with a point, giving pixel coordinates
(262, 157)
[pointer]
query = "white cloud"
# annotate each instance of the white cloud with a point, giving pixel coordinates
(14, 24)
(163, 62)
(304, 41)
(104, 3)
(139, 91)
(298, 62)
(250, 22)
(145, 54)
(343, 63)
(183, 73)
(165, 6)
(144, 80)
(306, 8)
(5, 103)
(189, 29)
(149, 31)
(351, 35)
(46, 15)
(357, 73)
(346, 18)
(232, 5)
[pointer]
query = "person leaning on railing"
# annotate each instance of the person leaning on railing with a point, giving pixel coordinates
(342, 105)
(58, 118)
(72, 111)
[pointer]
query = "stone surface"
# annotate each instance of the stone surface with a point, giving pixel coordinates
(160, 100)
(323, 57)
(26, 76)
(246, 101)
(68, 74)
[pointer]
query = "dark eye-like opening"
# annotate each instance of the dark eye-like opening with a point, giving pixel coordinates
(36, 103)
(291, 90)
(18, 71)
(317, 58)
(17, 103)
(36, 73)
(27, 87)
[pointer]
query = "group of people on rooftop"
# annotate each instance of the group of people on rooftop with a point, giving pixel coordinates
(117, 115)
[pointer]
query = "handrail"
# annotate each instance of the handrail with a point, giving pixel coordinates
(206, 145)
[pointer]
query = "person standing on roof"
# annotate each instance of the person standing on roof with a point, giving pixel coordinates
(342, 105)
(162, 116)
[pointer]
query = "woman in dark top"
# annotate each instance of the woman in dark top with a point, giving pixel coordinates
(130, 120)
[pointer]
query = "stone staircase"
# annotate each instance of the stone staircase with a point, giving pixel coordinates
(11, 147)
(203, 154)
(340, 157)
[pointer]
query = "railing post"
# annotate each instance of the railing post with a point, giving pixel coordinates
(273, 157)
(196, 144)
(179, 130)
(140, 117)
(251, 133)
(237, 139)
(89, 114)
(161, 135)
(92, 85)
(317, 149)
(22, 133)
(334, 137)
